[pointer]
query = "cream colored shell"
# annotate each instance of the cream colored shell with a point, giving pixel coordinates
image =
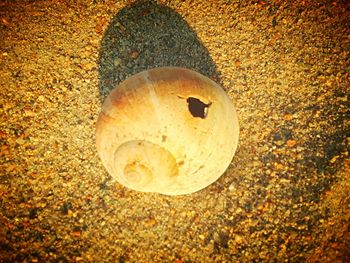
(167, 130)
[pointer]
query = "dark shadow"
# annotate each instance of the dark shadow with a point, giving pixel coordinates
(146, 35)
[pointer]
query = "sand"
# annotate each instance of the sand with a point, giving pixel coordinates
(284, 197)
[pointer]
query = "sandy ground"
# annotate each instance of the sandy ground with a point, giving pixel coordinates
(285, 196)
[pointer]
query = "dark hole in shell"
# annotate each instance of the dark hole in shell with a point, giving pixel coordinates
(197, 108)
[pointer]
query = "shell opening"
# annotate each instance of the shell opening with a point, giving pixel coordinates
(197, 107)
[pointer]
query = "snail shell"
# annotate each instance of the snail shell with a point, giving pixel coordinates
(168, 130)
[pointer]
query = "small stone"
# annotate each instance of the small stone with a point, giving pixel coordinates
(5, 150)
(29, 113)
(334, 159)
(238, 63)
(256, 163)
(77, 233)
(329, 83)
(10, 168)
(20, 141)
(288, 117)
(343, 99)
(291, 143)
(238, 239)
(117, 62)
(231, 187)
(239, 210)
(7, 105)
(134, 54)
(42, 204)
(41, 98)
(279, 143)
(150, 222)
(216, 237)
(190, 213)
(89, 66)
(279, 166)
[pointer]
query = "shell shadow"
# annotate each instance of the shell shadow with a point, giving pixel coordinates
(146, 35)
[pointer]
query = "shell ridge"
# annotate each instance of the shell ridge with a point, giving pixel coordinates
(153, 96)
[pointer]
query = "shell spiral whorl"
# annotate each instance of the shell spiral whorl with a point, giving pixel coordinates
(138, 161)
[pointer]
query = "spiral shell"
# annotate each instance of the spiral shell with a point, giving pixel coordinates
(168, 130)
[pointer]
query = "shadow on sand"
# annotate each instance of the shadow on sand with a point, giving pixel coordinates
(146, 35)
